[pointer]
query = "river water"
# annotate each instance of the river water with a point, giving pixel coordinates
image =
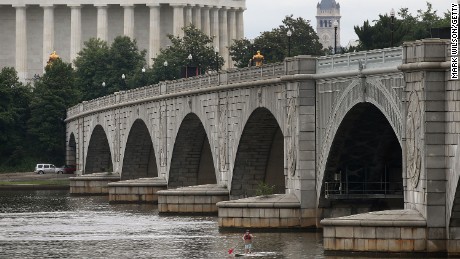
(53, 224)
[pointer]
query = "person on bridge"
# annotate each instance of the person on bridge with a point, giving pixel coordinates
(247, 237)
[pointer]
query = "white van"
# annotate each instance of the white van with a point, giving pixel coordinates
(44, 168)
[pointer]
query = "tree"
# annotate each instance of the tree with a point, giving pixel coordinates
(14, 112)
(53, 94)
(98, 63)
(406, 28)
(194, 43)
(92, 66)
(274, 44)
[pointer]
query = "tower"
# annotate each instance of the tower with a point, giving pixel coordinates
(327, 11)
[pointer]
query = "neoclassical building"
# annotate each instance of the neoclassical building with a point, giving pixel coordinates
(328, 11)
(31, 29)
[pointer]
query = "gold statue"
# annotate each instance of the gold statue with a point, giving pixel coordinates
(258, 58)
(53, 57)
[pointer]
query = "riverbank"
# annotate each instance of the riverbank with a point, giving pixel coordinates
(32, 181)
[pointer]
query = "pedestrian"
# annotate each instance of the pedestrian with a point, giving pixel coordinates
(247, 237)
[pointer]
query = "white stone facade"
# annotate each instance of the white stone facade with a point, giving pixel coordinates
(328, 11)
(30, 30)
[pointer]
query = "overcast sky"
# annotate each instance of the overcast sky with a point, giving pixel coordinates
(264, 15)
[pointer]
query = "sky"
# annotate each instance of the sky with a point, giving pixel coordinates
(263, 15)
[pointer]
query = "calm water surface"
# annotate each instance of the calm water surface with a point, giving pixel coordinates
(53, 224)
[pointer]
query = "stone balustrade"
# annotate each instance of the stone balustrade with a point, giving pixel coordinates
(177, 86)
(389, 57)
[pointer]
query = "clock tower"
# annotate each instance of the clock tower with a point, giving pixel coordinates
(327, 12)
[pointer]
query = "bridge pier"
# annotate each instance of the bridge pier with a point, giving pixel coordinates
(143, 190)
(92, 184)
(200, 199)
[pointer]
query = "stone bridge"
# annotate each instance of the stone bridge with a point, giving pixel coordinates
(378, 127)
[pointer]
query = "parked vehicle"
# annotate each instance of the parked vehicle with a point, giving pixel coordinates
(44, 168)
(66, 169)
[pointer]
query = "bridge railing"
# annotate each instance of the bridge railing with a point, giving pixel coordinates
(369, 59)
(181, 85)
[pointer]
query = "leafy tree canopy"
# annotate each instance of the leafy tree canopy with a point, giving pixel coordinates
(405, 27)
(274, 44)
(98, 63)
(54, 93)
(194, 43)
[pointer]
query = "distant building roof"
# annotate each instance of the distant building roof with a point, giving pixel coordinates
(328, 4)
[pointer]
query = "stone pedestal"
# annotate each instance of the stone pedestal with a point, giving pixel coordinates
(92, 184)
(141, 190)
(397, 231)
(274, 211)
(193, 199)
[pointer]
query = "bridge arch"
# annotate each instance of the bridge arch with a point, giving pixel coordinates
(139, 159)
(99, 154)
(192, 160)
(382, 92)
(71, 152)
(364, 162)
(260, 155)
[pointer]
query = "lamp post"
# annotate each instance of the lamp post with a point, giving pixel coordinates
(190, 57)
(165, 65)
(123, 79)
(289, 34)
(143, 76)
(252, 52)
(392, 14)
(336, 24)
(217, 59)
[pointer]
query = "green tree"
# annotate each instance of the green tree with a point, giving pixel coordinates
(194, 43)
(274, 44)
(98, 63)
(54, 93)
(14, 112)
(92, 66)
(406, 27)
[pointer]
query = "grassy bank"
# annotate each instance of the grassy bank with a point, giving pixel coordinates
(57, 182)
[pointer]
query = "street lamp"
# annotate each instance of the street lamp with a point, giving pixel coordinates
(289, 34)
(392, 14)
(143, 76)
(165, 65)
(252, 52)
(190, 57)
(336, 24)
(123, 79)
(217, 59)
(103, 84)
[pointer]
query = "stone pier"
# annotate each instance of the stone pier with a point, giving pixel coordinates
(92, 184)
(143, 190)
(391, 231)
(274, 211)
(193, 199)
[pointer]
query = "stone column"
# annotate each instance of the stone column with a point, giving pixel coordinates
(215, 26)
(128, 28)
(197, 17)
(206, 20)
(178, 19)
(223, 35)
(48, 32)
(239, 24)
(102, 22)
(75, 30)
(21, 42)
(188, 15)
(154, 32)
(232, 26)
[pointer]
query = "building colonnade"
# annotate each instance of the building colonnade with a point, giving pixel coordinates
(224, 23)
